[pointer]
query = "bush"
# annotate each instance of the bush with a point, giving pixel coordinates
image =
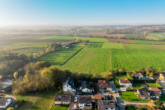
(144, 81)
(19, 102)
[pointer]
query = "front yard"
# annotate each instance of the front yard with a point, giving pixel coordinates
(131, 97)
(137, 85)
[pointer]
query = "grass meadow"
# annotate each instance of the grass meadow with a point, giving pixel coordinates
(94, 60)
(43, 101)
(134, 59)
(148, 42)
(58, 57)
(29, 50)
(133, 36)
(113, 45)
(60, 37)
(94, 39)
(157, 35)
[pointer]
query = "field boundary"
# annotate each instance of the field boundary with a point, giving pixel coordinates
(72, 56)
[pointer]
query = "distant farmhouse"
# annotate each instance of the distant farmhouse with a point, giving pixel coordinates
(68, 85)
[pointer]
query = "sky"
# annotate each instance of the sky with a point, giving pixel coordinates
(81, 12)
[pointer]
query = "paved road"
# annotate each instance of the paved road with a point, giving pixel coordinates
(113, 86)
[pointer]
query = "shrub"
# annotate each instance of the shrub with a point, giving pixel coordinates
(19, 102)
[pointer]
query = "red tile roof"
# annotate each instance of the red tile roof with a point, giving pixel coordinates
(154, 89)
(104, 83)
(126, 80)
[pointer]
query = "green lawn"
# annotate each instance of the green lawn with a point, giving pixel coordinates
(134, 59)
(94, 60)
(138, 85)
(24, 45)
(60, 37)
(153, 85)
(29, 50)
(133, 36)
(148, 42)
(94, 39)
(131, 97)
(113, 45)
(60, 107)
(140, 47)
(42, 101)
(157, 35)
(59, 57)
(162, 98)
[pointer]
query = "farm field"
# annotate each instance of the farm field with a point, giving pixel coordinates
(96, 30)
(159, 47)
(148, 42)
(133, 36)
(121, 41)
(131, 97)
(93, 39)
(140, 46)
(42, 101)
(29, 50)
(156, 35)
(58, 57)
(134, 59)
(59, 37)
(24, 45)
(94, 60)
(94, 45)
(113, 45)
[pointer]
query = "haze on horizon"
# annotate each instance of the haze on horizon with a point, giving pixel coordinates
(81, 12)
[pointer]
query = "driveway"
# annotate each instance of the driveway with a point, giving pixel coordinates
(72, 102)
(113, 86)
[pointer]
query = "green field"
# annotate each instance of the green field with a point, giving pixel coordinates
(131, 97)
(133, 36)
(153, 85)
(157, 35)
(42, 101)
(60, 107)
(94, 60)
(94, 39)
(113, 45)
(140, 46)
(134, 59)
(24, 45)
(90, 45)
(29, 50)
(148, 42)
(59, 57)
(97, 30)
(60, 37)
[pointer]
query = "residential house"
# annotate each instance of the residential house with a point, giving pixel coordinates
(97, 97)
(7, 89)
(145, 86)
(4, 103)
(162, 76)
(125, 82)
(139, 76)
(144, 93)
(68, 85)
(155, 89)
(85, 88)
(62, 99)
(155, 94)
(106, 105)
(85, 102)
(104, 85)
(125, 88)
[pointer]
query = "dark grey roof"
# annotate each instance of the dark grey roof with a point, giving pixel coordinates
(104, 104)
(63, 97)
(3, 101)
(140, 75)
(86, 99)
(69, 81)
(85, 84)
(163, 74)
(8, 88)
(144, 92)
(154, 93)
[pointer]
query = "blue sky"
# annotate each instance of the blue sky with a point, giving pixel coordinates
(81, 12)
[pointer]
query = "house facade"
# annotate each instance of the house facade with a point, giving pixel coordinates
(68, 85)
(106, 105)
(148, 94)
(125, 82)
(62, 99)
(104, 85)
(85, 102)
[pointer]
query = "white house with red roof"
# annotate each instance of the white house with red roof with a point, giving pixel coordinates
(125, 82)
